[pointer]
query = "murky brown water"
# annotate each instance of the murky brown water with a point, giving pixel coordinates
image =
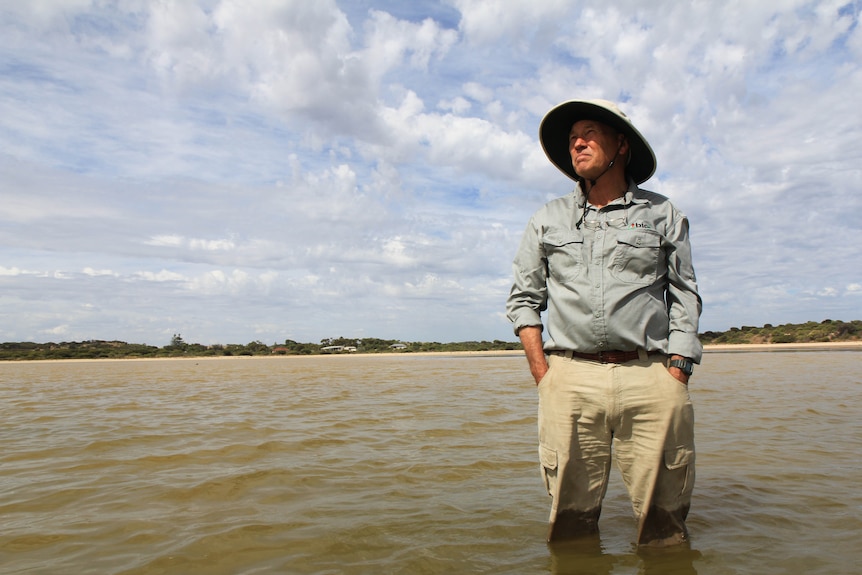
(415, 465)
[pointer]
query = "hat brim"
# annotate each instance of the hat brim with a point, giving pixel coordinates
(554, 137)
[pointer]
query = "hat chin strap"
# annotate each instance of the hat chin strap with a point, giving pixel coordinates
(605, 171)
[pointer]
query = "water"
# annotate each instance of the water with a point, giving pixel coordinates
(406, 464)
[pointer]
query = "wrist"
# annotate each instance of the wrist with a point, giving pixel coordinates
(684, 364)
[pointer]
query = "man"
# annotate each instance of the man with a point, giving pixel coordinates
(610, 263)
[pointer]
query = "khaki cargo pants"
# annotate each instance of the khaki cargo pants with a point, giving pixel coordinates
(639, 413)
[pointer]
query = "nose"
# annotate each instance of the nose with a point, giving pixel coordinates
(577, 143)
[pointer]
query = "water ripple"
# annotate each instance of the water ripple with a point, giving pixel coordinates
(356, 465)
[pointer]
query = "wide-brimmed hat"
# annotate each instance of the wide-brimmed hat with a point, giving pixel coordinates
(556, 125)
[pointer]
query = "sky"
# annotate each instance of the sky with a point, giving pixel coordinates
(264, 170)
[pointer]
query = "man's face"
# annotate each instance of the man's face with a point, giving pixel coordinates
(593, 146)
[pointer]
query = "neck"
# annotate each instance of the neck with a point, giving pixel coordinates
(606, 189)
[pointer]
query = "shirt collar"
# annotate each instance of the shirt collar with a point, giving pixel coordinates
(626, 199)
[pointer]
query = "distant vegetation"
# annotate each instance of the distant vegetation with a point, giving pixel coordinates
(811, 332)
(98, 349)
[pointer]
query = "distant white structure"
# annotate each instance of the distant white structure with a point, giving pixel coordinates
(338, 349)
(397, 346)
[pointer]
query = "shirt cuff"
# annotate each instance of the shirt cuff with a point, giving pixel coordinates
(686, 345)
(525, 318)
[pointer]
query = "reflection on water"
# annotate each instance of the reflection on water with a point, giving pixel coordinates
(588, 557)
(407, 464)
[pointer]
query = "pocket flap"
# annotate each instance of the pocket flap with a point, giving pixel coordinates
(559, 237)
(639, 238)
(548, 457)
(678, 457)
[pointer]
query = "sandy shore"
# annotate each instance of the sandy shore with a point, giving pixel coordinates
(720, 348)
(826, 346)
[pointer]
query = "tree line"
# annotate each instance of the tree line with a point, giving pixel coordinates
(810, 332)
(100, 349)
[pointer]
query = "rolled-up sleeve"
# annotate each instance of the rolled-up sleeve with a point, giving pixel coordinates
(684, 302)
(528, 297)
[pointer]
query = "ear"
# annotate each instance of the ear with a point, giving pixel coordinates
(624, 145)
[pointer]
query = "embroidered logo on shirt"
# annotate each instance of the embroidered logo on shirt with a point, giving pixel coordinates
(642, 225)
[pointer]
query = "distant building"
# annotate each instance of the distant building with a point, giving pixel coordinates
(397, 346)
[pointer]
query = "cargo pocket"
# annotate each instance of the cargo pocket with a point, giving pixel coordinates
(679, 481)
(548, 460)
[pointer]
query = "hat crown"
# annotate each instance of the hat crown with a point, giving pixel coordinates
(607, 104)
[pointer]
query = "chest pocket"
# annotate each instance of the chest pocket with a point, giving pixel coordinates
(638, 258)
(564, 253)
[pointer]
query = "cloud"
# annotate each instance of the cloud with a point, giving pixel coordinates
(300, 59)
(313, 169)
(488, 22)
(14, 271)
(97, 273)
(175, 241)
(160, 276)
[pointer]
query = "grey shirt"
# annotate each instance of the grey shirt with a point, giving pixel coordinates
(618, 278)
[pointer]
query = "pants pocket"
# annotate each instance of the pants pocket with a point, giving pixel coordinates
(678, 457)
(677, 479)
(549, 462)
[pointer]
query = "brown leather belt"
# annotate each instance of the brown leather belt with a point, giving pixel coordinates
(613, 356)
